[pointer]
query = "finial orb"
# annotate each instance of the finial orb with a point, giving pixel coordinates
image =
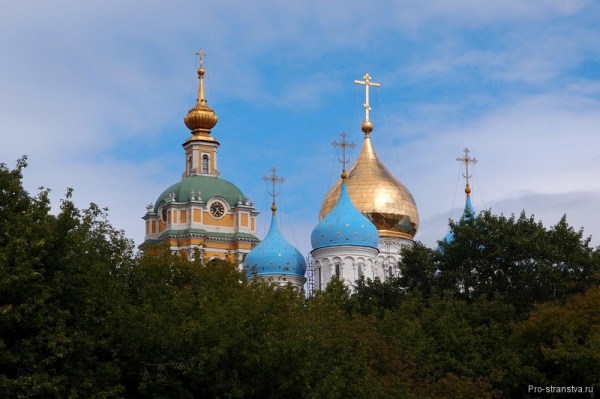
(468, 189)
(201, 72)
(344, 175)
(367, 127)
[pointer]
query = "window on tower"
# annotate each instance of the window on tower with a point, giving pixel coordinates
(205, 164)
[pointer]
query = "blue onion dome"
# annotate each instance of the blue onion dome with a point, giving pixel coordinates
(468, 214)
(469, 211)
(274, 255)
(344, 225)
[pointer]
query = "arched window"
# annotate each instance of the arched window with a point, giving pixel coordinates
(205, 164)
(189, 165)
(320, 278)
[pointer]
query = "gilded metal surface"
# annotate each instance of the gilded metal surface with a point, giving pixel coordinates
(201, 118)
(376, 193)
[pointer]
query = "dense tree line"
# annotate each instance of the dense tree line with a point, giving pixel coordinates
(506, 305)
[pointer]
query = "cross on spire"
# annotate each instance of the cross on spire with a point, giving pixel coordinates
(201, 54)
(344, 144)
(274, 179)
(467, 160)
(201, 100)
(367, 82)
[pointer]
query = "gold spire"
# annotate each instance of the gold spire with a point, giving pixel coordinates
(367, 125)
(274, 179)
(201, 118)
(343, 145)
(467, 160)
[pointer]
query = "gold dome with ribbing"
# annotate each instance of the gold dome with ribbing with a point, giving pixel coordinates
(377, 194)
(201, 118)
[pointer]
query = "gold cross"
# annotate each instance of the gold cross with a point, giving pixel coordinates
(366, 82)
(343, 145)
(274, 179)
(467, 160)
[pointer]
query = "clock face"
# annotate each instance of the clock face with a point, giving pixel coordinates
(217, 210)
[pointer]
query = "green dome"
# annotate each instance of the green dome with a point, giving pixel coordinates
(208, 186)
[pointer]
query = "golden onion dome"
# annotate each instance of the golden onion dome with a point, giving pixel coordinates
(377, 194)
(201, 118)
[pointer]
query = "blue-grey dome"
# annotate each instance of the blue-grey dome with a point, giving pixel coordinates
(274, 255)
(344, 225)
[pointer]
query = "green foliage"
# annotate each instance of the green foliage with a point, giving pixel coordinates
(58, 301)
(82, 315)
(560, 344)
(461, 313)
(516, 259)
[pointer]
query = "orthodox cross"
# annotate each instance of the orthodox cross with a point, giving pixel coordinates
(343, 145)
(467, 160)
(366, 82)
(201, 54)
(274, 179)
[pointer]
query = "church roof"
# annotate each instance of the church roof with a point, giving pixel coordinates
(377, 193)
(468, 214)
(469, 211)
(374, 190)
(207, 186)
(275, 255)
(344, 225)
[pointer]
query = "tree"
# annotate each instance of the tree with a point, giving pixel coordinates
(560, 344)
(514, 258)
(58, 300)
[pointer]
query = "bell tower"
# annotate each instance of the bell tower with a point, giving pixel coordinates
(202, 211)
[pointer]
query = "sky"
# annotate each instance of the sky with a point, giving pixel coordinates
(95, 92)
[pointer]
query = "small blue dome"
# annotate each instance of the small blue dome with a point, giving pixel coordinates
(468, 213)
(344, 225)
(274, 255)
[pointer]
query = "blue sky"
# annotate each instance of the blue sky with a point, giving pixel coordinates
(95, 93)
